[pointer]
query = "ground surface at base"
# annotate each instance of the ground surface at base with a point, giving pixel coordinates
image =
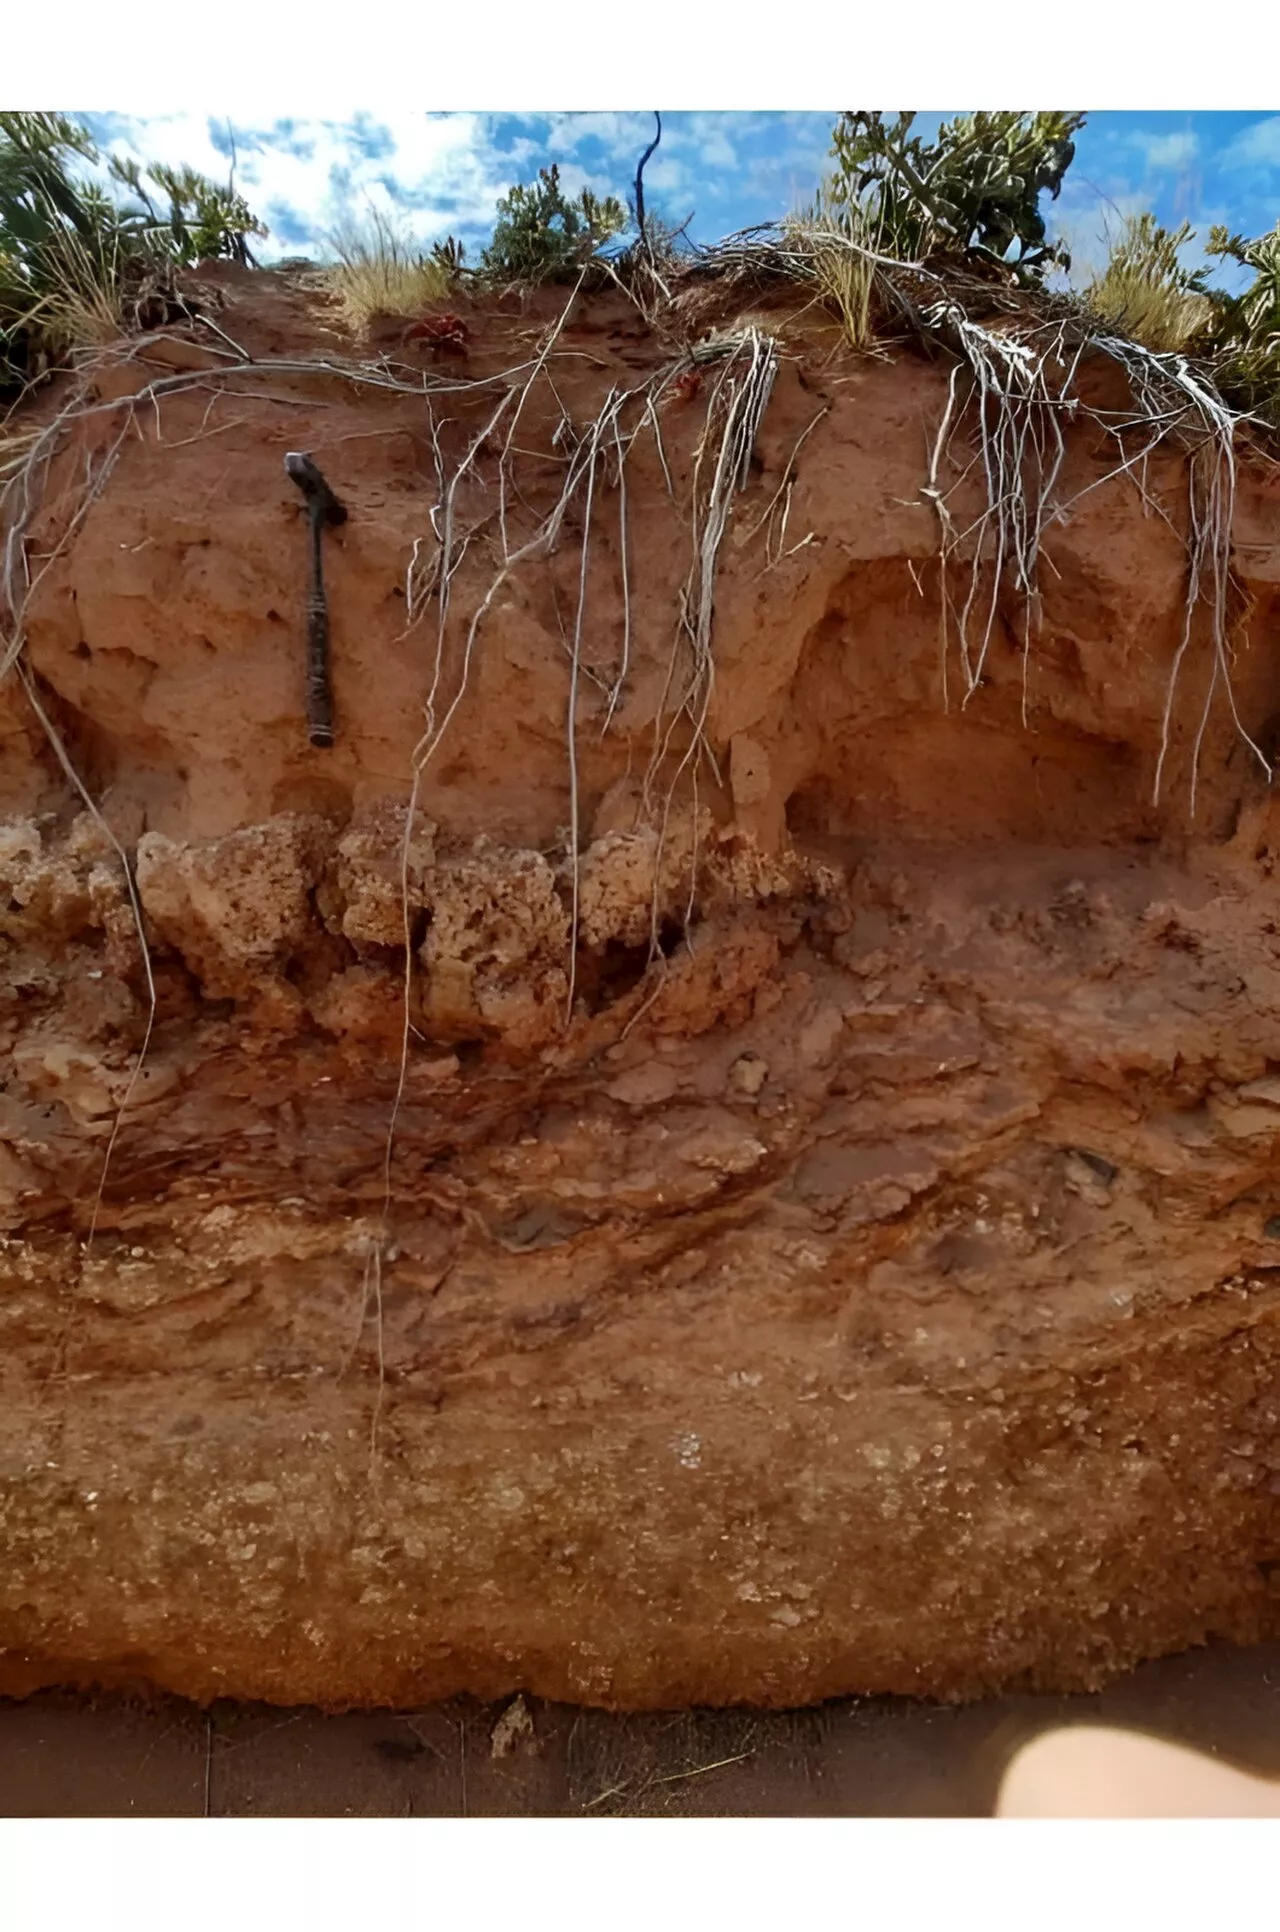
(64, 1757)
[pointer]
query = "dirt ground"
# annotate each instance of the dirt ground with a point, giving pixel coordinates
(65, 1756)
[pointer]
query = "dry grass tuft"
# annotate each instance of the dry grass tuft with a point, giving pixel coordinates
(380, 270)
(82, 307)
(838, 241)
(1145, 293)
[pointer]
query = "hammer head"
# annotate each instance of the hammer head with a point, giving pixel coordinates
(321, 500)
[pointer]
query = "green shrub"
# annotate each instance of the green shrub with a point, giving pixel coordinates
(542, 236)
(974, 192)
(204, 221)
(1246, 331)
(450, 257)
(74, 260)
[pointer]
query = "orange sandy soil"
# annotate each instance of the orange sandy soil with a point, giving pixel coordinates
(878, 1290)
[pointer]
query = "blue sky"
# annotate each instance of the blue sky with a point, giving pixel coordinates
(442, 173)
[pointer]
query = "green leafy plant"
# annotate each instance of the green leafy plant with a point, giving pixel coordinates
(1246, 331)
(203, 220)
(974, 191)
(59, 250)
(1145, 292)
(543, 236)
(76, 263)
(450, 257)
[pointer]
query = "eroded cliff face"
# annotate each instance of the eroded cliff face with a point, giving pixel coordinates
(814, 1230)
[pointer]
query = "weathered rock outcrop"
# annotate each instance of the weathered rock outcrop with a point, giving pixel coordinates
(818, 1231)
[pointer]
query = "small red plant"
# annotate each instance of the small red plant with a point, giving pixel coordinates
(687, 384)
(446, 335)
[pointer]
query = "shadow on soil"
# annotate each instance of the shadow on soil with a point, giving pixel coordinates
(66, 1756)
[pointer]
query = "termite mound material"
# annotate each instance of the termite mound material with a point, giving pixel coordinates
(719, 1145)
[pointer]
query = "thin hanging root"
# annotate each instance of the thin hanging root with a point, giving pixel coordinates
(135, 907)
(933, 491)
(775, 525)
(606, 420)
(358, 1337)
(375, 1420)
(737, 403)
(1022, 391)
(372, 1278)
(15, 449)
(18, 504)
(1169, 391)
(651, 418)
(739, 400)
(447, 563)
(579, 478)
(1019, 403)
(624, 663)
(539, 364)
(419, 585)
(747, 396)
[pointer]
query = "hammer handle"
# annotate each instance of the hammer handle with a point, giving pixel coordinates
(319, 695)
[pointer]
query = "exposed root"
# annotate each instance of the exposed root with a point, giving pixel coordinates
(375, 1420)
(60, 752)
(1170, 394)
(1020, 391)
(776, 515)
(735, 409)
(739, 400)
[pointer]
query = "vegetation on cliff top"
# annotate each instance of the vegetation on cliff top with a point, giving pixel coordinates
(82, 262)
(87, 257)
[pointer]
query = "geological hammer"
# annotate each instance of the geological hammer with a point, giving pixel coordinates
(322, 507)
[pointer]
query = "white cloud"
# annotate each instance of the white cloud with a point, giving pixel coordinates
(668, 174)
(620, 133)
(1257, 147)
(306, 175)
(717, 151)
(1168, 153)
(700, 154)
(320, 170)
